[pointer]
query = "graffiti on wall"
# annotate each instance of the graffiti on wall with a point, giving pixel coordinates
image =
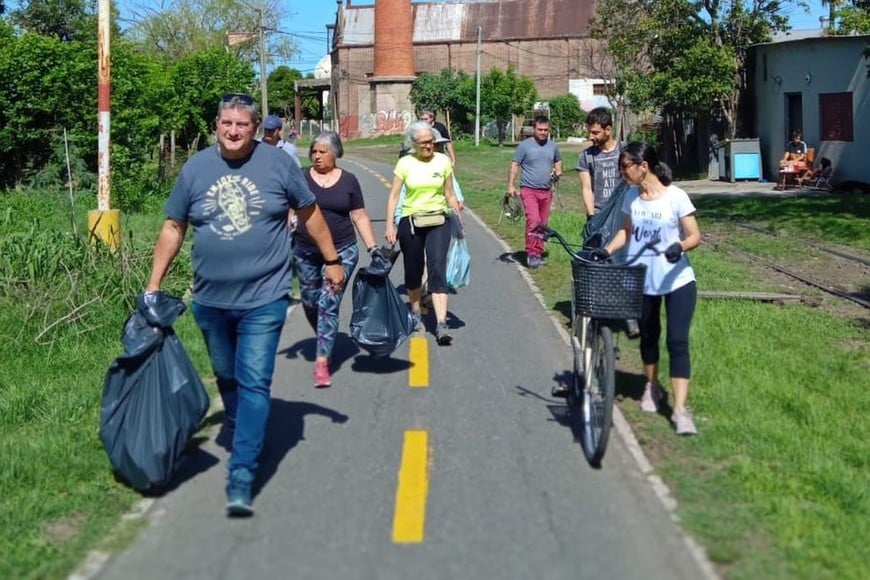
(388, 122)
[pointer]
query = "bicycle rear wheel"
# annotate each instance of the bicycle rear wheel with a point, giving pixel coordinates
(599, 385)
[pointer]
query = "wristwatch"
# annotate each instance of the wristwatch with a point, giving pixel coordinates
(335, 262)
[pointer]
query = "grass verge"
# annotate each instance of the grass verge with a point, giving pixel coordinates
(62, 307)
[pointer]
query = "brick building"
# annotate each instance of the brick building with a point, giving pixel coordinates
(378, 51)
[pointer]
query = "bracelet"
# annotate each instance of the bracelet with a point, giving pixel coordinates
(335, 262)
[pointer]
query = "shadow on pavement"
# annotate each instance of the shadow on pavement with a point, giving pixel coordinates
(287, 428)
(379, 366)
(344, 349)
(194, 461)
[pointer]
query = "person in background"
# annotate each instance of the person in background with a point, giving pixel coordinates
(272, 127)
(428, 116)
(655, 208)
(540, 161)
(340, 199)
(598, 165)
(795, 152)
(423, 231)
(236, 196)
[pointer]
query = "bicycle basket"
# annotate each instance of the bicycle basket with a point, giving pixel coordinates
(608, 290)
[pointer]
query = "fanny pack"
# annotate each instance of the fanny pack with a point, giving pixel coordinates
(428, 220)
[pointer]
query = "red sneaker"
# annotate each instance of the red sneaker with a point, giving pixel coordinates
(322, 379)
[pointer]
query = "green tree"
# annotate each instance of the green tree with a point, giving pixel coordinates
(442, 93)
(854, 18)
(503, 94)
(696, 50)
(196, 85)
(282, 92)
(48, 86)
(565, 114)
(186, 27)
(62, 19)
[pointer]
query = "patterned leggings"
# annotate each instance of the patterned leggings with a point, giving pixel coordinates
(320, 302)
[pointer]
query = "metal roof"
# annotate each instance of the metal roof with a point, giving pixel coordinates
(459, 22)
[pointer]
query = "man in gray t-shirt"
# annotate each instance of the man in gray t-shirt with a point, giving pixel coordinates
(236, 197)
(599, 164)
(539, 163)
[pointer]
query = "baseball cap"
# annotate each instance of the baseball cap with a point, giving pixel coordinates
(272, 122)
(436, 134)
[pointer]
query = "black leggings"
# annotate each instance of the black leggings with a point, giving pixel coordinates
(426, 247)
(679, 307)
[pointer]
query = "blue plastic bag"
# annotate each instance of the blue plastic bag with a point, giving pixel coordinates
(458, 264)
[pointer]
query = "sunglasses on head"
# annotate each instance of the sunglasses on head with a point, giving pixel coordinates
(239, 97)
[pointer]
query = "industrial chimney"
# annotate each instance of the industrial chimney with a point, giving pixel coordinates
(394, 30)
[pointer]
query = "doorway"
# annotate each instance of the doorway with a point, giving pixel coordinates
(794, 114)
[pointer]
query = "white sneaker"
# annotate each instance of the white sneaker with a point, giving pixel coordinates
(684, 423)
(652, 397)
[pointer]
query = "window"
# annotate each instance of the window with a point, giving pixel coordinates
(599, 89)
(835, 116)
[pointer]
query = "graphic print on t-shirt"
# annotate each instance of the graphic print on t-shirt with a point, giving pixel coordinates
(646, 224)
(232, 200)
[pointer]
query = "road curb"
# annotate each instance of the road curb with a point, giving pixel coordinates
(623, 428)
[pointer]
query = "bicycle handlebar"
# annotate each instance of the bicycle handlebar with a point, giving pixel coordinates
(546, 232)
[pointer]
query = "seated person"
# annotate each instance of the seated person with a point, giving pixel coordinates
(795, 153)
(819, 176)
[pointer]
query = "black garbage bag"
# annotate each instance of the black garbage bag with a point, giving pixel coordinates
(601, 227)
(380, 321)
(153, 398)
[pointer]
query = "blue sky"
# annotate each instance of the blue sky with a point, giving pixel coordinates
(307, 22)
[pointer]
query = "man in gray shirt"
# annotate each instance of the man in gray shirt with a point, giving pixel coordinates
(599, 164)
(539, 163)
(235, 196)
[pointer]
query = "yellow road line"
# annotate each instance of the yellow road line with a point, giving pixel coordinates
(418, 353)
(410, 517)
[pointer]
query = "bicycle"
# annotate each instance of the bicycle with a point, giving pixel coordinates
(603, 294)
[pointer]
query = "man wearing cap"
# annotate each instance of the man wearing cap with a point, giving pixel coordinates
(428, 116)
(236, 196)
(272, 127)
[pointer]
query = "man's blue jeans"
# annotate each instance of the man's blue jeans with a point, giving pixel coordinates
(242, 345)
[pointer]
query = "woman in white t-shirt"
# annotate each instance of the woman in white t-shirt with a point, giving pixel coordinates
(656, 208)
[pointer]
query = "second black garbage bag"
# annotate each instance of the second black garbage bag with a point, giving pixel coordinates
(381, 321)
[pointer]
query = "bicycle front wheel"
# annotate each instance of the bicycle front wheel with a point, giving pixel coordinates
(598, 393)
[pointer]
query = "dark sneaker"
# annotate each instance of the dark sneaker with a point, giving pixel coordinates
(239, 484)
(442, 335)
(417, 321)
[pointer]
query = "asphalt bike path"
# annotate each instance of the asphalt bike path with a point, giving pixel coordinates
(472, 473)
